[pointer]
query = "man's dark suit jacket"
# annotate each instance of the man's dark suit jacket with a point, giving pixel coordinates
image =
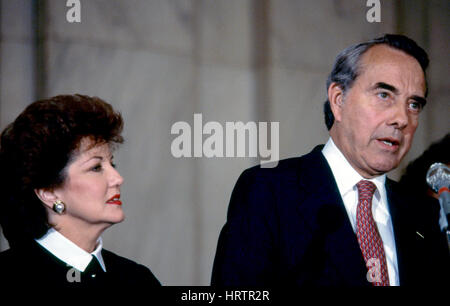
(31, 266)
(288, 226)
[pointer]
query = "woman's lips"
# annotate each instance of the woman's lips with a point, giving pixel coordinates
(115, 200)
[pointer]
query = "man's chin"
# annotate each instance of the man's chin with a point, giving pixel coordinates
(385, 166)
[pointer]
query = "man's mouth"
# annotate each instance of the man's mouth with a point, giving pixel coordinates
(390, 144)
(115, 200)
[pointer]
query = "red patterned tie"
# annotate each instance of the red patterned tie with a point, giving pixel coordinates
(368, 237)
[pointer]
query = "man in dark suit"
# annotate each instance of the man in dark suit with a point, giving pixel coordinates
(331, 217)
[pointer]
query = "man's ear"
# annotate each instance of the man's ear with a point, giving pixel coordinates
(47, 196)
(336, 98)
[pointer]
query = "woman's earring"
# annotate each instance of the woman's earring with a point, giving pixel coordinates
(59, 207)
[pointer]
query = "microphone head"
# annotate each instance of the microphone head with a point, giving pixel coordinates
(438, 176)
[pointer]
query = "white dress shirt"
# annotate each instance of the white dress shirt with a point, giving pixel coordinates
(68, 252)
(346, 179)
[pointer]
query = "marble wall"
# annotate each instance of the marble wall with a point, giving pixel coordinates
(17, 58)
(161, 61)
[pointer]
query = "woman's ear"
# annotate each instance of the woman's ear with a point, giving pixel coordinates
(336, 98)
(47, 196)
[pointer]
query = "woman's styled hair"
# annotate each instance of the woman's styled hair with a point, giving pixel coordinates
(347, 68)
(35, 150)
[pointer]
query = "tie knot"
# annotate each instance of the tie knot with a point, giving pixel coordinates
(366, 189)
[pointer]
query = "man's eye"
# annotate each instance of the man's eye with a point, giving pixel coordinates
(383, 95)
(415, 106)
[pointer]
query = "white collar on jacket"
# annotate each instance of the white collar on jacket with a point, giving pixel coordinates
(67, 251)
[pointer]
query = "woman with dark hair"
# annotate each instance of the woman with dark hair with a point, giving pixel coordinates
(60, 192)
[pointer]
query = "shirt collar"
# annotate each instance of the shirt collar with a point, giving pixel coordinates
(345, 175)
(67, 251)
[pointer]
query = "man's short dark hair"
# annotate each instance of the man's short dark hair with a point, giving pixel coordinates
(346, 67)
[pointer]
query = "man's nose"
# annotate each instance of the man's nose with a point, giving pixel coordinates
(399, 118)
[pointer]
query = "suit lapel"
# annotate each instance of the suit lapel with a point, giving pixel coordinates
(328, 218)
(403, 230)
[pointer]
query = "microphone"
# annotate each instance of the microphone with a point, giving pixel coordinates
(438, 178)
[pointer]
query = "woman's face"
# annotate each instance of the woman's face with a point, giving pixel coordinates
(91, 190)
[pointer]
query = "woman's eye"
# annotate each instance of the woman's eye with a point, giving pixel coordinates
(97, 168)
